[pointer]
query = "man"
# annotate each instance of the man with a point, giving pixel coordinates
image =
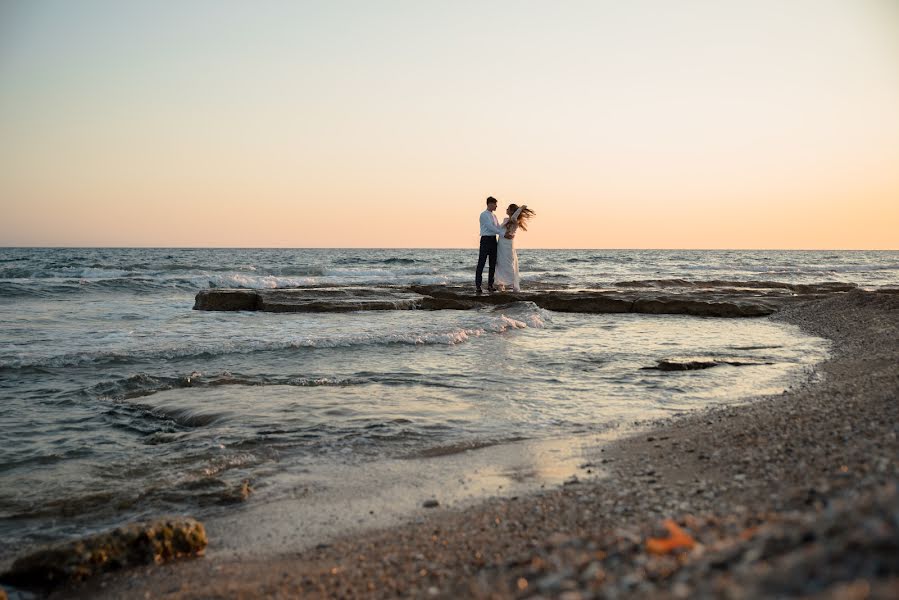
(489, 230)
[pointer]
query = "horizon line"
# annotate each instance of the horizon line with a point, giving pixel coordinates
(86, 247)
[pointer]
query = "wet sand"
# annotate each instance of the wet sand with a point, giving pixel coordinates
(787, 495)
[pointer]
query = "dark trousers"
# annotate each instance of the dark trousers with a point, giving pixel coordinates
(488, 250)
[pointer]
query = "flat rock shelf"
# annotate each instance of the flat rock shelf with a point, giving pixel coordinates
(714, 300)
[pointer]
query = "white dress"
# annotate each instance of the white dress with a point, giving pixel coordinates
(506, 257)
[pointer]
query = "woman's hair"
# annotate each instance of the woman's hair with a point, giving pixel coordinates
(524, 216)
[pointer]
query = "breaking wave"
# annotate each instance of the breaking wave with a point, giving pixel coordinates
(520, 317)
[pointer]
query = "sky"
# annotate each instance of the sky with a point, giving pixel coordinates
(639, 124)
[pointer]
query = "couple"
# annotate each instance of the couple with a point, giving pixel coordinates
(503, 258)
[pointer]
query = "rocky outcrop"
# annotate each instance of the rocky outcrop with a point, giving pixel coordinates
(226, 300)
(695, 365)
(136, 544)
(336, 299)
(714, 307)
(725, 302)
(703, 304)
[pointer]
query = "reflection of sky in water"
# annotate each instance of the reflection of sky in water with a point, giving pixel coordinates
(136, 437)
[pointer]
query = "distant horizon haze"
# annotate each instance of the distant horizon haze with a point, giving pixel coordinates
(643, 125)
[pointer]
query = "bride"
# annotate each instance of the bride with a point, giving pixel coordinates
(506, 256)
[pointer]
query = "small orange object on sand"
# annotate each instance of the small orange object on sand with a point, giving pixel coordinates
(677, 539)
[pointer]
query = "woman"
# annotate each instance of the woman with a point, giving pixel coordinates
(506, 256)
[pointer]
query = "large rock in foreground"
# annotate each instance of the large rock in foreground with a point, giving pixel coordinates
(136, 544)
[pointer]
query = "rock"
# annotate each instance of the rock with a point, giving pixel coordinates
(707, 299)
(583, 302)
(431, 303)
(699, 302)
(334, 299)
(593, 572)
(689, 306)
(239, 494)
(552, 583)
(671, 365)
(131, 545)
(226, 300)
(693, 365)
(431, 503)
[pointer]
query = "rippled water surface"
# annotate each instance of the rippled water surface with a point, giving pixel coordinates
(120, 402)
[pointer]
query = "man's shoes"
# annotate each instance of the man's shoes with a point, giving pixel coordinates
(491, 289)
(478, 292)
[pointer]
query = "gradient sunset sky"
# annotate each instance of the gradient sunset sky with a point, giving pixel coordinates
(638, 124)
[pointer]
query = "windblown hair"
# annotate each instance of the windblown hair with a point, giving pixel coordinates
(524, 216)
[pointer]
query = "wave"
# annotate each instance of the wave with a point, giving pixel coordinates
(831, 286)
(189, 417)
(382, 273)
(288, 277)
(144, 384)
(426, 276)
(400, 261)
(258, 282)
(63, 272)
(814, 270)
(522, 318)
(47, 288)
(356, 260)
(44, 273)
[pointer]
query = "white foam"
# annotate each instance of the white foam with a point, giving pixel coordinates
(95, 273)
(125, 347)
(256, 282)
(344, 277)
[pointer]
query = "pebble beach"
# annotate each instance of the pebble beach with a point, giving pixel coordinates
(787, 495)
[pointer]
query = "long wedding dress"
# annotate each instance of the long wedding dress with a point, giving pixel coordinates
(506, 256)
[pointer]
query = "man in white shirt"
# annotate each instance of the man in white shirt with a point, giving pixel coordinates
(489, 230)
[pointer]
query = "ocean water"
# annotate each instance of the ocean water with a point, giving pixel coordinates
(120, 402)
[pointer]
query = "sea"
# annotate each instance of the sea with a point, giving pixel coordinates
(118, 402)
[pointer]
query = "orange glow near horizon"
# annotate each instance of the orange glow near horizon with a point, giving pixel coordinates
(647, 125)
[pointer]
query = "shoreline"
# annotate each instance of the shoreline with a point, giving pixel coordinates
(782, 455)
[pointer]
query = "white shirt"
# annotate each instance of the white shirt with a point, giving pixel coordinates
(489, 224)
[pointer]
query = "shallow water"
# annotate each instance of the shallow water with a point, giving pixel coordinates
(120, 402)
